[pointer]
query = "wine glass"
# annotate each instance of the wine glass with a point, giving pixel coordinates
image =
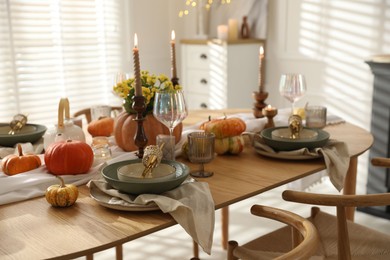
(119, 78)
(292, 87)
(201, 150)
(170, 109)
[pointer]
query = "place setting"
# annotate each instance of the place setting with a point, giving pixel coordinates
(302, 135)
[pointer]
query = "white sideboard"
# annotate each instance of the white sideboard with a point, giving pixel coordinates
(220, 74)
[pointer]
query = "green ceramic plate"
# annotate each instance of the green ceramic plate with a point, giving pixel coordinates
(29, 133)
(110, 174)
(280, 144)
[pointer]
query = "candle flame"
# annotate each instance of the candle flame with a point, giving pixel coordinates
(261, 50)
(269, 106)
(135, 41)
(173, 35)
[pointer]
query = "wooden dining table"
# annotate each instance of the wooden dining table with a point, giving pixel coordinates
(32, 229)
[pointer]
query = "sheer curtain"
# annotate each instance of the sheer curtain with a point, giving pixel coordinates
(58, 48)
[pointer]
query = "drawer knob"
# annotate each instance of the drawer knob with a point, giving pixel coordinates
(203, 105)
(203, 81)
(203, 56)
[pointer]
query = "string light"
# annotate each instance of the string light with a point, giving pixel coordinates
(194, 3)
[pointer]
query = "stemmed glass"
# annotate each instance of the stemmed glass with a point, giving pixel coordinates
(201, 151)
(170, 109)
(120, 77)
(292, 87)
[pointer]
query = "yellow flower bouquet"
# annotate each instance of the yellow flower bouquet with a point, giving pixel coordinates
(150, 85)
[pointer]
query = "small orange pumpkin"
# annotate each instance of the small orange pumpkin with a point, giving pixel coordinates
(101, 127)
(68, 157)
(125, 129)
(226, 127)
(13, 164)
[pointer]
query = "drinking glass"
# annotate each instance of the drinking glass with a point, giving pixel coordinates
(292, 87)
(120, 77)
(201, 150)
(170, 109)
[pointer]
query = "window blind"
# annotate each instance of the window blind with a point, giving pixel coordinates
(58, 48)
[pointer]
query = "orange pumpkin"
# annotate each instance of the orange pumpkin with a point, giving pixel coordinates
(68, 157)
(13, 164)
(226, 127)
(125, 129)
(101, 127)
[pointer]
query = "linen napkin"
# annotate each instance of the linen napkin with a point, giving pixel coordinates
(335, 154)
(28, 148)
(191, 205)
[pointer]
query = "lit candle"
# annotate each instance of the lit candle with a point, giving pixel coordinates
(137, 71)
(269, 112)
(173, 55)
(261, 58)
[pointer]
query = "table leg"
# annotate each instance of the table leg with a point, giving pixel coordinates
(119, 252)
(350, 185)
(195, 250)
(89, 257)
(225, 226)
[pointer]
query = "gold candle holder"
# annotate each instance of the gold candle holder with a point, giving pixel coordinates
(270, 113)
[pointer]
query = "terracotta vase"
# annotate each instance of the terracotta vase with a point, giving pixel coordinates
(125, 130)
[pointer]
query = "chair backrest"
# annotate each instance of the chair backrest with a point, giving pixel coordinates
(87, 112)
(303, 248)
(340, 202)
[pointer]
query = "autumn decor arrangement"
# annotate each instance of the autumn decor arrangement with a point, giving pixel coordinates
(13, 164)
(62, 195)
(125, 126)
(227, 131)
(68, 157)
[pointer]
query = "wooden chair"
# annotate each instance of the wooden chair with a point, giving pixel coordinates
(87, 112)
(303, 241)
(341, 238)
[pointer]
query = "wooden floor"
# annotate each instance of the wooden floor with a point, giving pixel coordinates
(175, 244)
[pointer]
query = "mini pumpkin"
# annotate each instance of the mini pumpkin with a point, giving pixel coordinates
(229, 145)
(62, 195)
(68, 157)
(101, 127)
(13, 164)
(225, 127)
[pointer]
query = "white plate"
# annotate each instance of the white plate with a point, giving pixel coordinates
(103, 199)
(286, 156)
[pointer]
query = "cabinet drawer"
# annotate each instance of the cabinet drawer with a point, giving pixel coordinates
(197, 101)
(198, 81)
(197, 57)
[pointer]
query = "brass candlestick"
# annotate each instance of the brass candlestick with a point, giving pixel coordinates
(259, 105)
(270, 113)
(140, 139)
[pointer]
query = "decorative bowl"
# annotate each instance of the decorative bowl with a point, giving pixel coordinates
(110, 174)
(29, 133)
(286, 144)
(132, 172)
